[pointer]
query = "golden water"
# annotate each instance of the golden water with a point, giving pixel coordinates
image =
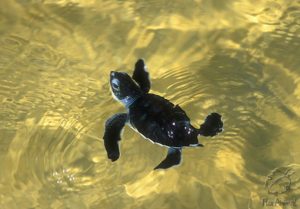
(240, 58)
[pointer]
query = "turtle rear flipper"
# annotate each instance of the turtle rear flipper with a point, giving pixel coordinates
(173, 158)
(212, 125)
(141, 76)
(112, 135)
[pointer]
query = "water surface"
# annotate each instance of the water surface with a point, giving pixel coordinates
(238, 57)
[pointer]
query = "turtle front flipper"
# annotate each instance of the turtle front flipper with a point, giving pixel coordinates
(141, 75)
(173, 158)
(112, 135)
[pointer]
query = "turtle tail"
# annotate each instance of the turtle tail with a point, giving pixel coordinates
(212, 125)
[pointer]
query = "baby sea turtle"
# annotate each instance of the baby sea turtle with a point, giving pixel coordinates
(154, 117)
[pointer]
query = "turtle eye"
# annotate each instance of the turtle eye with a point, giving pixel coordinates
(115, 84)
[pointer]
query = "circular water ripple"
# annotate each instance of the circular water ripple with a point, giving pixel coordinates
(44, 105)
(236, 58)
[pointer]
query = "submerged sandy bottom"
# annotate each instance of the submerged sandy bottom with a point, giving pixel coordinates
(238, 58)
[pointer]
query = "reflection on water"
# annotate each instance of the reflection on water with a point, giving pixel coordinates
(239, 58)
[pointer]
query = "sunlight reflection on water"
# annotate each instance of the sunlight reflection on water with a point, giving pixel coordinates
(239, 58)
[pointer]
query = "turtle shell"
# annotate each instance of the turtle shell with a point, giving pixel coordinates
(162, 122)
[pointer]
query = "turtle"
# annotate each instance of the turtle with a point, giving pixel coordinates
(154, 117)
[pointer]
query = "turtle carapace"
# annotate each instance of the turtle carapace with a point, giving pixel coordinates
(154, 117)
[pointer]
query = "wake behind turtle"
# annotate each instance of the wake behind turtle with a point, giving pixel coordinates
(154, 117)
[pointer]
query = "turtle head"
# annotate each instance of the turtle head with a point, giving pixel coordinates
(124, 89)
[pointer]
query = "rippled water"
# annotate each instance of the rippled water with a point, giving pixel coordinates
(240, 58)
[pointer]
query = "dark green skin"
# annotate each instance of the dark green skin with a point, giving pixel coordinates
(154, 117)
(161, 121)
